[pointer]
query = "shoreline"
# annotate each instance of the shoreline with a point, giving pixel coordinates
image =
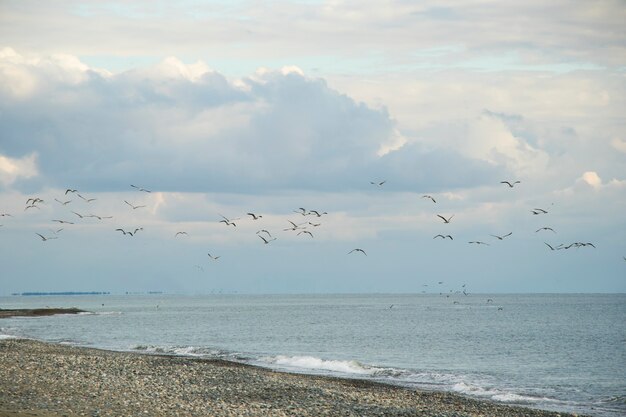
(45, 379)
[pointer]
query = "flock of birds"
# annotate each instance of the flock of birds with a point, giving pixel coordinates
(311, 220)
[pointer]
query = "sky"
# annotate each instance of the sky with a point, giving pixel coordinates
(223, 108)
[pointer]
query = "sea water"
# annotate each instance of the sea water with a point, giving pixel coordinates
(562, 352)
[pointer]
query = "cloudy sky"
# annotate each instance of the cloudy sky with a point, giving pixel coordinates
(221, 108)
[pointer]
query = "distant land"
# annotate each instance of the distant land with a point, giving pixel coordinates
(44, 293)
(25, 294)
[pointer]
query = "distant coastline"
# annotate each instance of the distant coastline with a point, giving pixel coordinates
(27, 294)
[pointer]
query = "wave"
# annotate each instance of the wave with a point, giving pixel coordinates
(500, 395)
(192, 351)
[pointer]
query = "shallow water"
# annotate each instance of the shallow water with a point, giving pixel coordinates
(557, 352)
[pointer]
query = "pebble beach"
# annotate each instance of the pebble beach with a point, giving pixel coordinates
(43, 379)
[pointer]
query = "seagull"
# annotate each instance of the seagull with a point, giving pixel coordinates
(124, 232)
(79, 215)
(443, 237)
(295, 226)
(34, 200)
(317, 213)
(69, 190)
(428, 196)
(137, 230)
(227, 223)
(477, 242)
(180, 233)
(444, 219)
(215, 258)
(539, 211)
(305, 231)
(301, 210)
(5, 214)
(31, 206)
(511, 185)
(98, 217)
(315, 224)
(502, 237)
(357, 250)
(545, 228)
(264, 231)
(134, 207)
(62, 221)
(266, 241)
(551, 248)
(88, 200)
(43, 238)
(64, 203)
(140, 189)
(255, 216)
(378, 183)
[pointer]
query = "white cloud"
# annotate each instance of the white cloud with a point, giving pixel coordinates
(13, 168)
(619, 144)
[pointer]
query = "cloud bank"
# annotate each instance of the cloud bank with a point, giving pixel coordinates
(185, 127)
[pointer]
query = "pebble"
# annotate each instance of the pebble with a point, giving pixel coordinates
(66, 380)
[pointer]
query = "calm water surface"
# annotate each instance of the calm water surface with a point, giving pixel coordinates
(557, 352)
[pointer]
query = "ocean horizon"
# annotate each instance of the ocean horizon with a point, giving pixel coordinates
(559, 352)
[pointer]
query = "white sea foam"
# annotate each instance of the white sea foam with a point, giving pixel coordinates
(499, 394)
(7, 336)
(317, 364)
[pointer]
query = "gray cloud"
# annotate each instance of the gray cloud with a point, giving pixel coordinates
(184, 127)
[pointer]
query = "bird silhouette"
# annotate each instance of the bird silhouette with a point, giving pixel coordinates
(510, 184)
(443, 237)
(357, 250)
(545, 228)
(44, 238)
(503, 236)
(266, 241)
(430, 197)
(141, 189)
(132, 205)
(444, 219)
(254, 216)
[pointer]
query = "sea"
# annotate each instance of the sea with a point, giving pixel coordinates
(560, 352)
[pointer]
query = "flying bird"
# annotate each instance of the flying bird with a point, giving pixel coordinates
(266, 241)
(539, 211)
(550, 246)
(124, 232)
(378, 183)
(180, 233)
(444, 219)
(43, 238)
(357, 250)
(295, 226)
(88, 200)
(255, 216)
(264, 231)
(510, 184)
(62, 221)
(477, 242)
(79, 215)
(443, 237)
(430, 197)
(64, 203)
(69, 190)
(215, 258)
(315, 224)
(545, 228)
(503, 236)
(5, 214)
(317, 213)
(305, 231)
(133, 206)
(227, 222)
(140, 189)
